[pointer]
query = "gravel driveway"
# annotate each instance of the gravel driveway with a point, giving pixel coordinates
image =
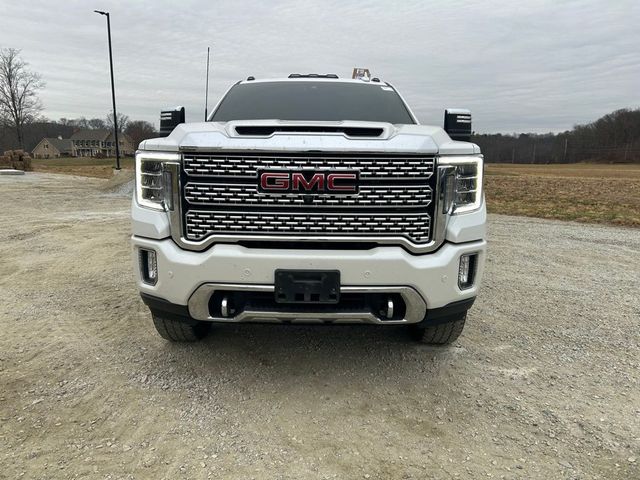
(543, 383)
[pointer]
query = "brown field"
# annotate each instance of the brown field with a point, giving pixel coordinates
(87, 167)
(593, 193)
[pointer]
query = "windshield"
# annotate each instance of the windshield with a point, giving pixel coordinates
(316, 101)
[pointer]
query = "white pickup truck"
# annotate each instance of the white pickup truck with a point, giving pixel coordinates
(309, 199)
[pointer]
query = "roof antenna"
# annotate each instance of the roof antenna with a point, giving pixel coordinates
(206, 92)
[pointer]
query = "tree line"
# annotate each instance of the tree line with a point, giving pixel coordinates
(613, 138)
(32, 133)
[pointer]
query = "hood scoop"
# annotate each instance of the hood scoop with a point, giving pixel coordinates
(268, 130)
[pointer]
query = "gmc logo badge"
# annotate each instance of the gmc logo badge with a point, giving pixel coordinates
(308, 181)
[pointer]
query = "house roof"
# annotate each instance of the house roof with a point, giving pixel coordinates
(62, 144)
(87, 134)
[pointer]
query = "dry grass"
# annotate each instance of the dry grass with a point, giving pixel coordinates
(582, 192)
(87, 167)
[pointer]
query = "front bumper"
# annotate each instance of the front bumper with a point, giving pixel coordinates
(434, 277)
(433, 316)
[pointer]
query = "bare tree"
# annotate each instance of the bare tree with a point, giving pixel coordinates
(139, 130)
(80, 122)
(122, 122)
(19, 102)
(97, 123)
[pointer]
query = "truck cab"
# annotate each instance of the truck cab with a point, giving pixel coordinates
(309, 199)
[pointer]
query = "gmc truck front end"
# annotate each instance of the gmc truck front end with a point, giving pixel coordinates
(326, 221)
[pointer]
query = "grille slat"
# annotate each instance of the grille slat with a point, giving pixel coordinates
(201, 224)
(216, 194)
(220, 197)
(198, 164)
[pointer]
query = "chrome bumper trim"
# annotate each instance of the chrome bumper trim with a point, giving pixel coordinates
(198, 304)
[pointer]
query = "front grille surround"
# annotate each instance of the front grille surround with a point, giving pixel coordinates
(223, 205)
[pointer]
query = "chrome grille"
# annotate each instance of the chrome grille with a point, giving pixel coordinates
(242, 194)
(202, 224)
(237, 165)
(220, 198)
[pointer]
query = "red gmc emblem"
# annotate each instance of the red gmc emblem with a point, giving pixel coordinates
(308, 181)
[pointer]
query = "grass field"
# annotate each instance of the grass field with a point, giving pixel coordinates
(582, 192)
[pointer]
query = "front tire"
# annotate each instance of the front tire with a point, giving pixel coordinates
(180, 330)
(442, 333)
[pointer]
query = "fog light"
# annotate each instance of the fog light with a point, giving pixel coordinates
(148, 266)
(467, 270)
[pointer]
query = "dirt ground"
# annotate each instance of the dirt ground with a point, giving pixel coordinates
(542, 384)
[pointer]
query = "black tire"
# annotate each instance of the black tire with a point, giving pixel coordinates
(442, 333)
(180, 330)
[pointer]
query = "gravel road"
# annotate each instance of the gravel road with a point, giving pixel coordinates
(543, 383)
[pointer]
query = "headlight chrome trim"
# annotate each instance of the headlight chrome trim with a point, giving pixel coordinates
(159, 157)
(457, 161)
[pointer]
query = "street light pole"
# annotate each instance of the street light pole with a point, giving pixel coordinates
(113, 90)
(206, 90)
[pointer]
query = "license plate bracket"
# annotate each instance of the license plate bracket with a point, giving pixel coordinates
(307, 286)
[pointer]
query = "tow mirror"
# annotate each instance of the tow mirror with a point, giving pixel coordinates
(170, 119)
(457, 123)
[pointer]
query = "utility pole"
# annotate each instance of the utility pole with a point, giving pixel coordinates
(206, 91)
(113, 90)
(564, 156)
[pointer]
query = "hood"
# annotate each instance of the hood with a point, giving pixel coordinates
(279, 135)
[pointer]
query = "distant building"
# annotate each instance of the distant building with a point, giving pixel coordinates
(53, 148)
(84, 143)
(100, 143)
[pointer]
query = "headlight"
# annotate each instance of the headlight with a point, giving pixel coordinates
(467, 184)
(153, 182)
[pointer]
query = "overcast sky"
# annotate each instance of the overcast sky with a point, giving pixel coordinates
(519, 66)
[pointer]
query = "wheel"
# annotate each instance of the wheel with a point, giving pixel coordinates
(180, 330)
(442, 333)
